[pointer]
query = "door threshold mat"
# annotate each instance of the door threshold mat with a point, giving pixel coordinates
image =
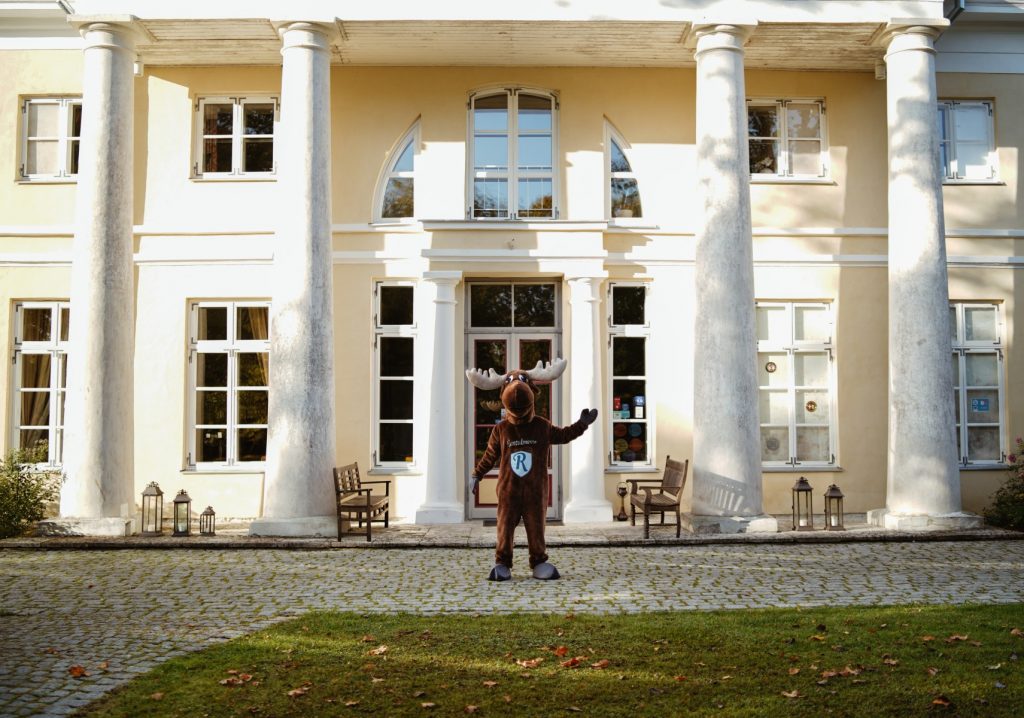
(549, 522)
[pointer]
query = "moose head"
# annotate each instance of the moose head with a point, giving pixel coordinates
(518, 387)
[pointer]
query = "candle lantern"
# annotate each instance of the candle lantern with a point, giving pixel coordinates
(152, 510)
(834, 509)
(803, 515)
(207, 521)
(622, 490)
(182, 514)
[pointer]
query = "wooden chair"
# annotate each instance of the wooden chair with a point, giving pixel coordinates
(669, 491)
(354, 500)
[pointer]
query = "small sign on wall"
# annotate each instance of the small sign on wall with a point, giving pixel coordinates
(979, 405)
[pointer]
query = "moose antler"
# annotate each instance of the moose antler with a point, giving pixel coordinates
(547, 372)
(484, 380)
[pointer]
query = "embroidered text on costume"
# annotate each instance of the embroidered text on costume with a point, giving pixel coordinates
(522, 442)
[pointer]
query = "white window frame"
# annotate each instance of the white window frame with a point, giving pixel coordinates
(793, 348)
(238, 104)
(613, 135)
(382, 331)
(512, 174)
(56, 348)
(951, 171)
(962, 347)
(232, 348)
(633, 331)
(64, 139)
(388, 172)
(785, 172)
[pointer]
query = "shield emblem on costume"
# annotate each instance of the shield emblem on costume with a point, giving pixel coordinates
(522, 462)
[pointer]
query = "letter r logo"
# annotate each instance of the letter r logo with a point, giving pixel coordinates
(522, 462)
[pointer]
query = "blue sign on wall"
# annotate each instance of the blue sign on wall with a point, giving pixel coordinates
(979, 404)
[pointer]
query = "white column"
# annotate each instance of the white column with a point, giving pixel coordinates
(97, 497)
(586, 499)
(299, 489)
(442, 504)
(923, 488)
(726, 441)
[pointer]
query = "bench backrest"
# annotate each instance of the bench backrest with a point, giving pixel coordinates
(674, 479)
(346, 479)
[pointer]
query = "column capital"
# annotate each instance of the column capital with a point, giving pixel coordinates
(708, 34)
(308, 33)
(116, 32)
(901, 34)
(451, 278)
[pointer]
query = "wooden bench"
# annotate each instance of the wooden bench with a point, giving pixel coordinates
(669, 491)
(354, 500)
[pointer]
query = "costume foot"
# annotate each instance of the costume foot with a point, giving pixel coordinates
(545, 572)
(500, 572)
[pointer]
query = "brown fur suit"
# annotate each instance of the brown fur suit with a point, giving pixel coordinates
(519, 445)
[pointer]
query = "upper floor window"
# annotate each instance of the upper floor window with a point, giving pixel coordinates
(396, 193)
(51, 128)
(787, 139)
(511, 155)
(966, 140)
(623, 190)
(235, 137)
(978, 382)
(40, 377)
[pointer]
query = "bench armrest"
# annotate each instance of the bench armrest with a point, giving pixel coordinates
(635, 484)
(387, 485)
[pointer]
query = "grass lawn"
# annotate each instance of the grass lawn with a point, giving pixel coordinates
(906, 661)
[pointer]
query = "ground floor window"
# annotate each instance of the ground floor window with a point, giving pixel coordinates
(229, 364)
(796, 383)
(978, 382)
(40, 377)
(394, 353)
(628, 414)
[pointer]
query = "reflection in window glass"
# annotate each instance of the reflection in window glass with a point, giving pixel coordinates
(400, 183)
(534, 305)
(625, 191)
(786, 138)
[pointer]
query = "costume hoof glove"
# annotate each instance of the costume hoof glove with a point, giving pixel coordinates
(500, 572)
(545, 572)
(588, 416)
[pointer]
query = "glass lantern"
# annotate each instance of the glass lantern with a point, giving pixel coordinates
(207, 521)
(182, 514)
(803, 513)
(152, 510)
(834, 509)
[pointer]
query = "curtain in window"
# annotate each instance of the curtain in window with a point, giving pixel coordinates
(258, 318)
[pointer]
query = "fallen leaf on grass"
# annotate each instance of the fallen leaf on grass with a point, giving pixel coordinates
(932, 671)
(490, 684)
(428, 705)
(850, 671)
(941, 701)
(890, 661)
(232, 681)
(956, 637)
(419, 694)
(561, 651)
(725, 678)
(1017, 632)
(471, 709)
(376, 680)
(678, 678)
(996, 667)
(1000, 685)
(156, 696)
(351, 704)
(529, 662)
(600, 665)
(368, 639)
(572, 662)
(817, 638)
(927, 638)
(507, 697)
(296, 692)
(574, 709)
(378, 651)
(791, 694)
(793, 671)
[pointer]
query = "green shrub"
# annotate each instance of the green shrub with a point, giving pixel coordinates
(24, 490)
(1007, 509)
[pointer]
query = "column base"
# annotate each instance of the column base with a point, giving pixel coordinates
(323, 526)
(701, 524)
(593, 512)
(893, 521)
(108, 526)
(440, 514)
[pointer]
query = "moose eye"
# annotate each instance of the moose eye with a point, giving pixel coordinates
(508, 379)
(521, 377)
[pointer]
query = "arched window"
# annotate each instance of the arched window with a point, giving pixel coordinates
(396, 191)
(511, 155)
(623, 192)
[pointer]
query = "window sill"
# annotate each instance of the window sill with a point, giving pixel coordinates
(755, 179)
(801, 469)
(235, 178)
(984, 467)
(968, 182)
(47, 180)
(395, 471)
(193, 471)
(632, 470)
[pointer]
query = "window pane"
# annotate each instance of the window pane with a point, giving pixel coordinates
(811, 324)
(811, 407)
(75, 112)
(956, 370)
(630, 443)
(42, 158)
(952, 324)
(396, 442)
(764, 157)
(490, 354)
(535, 198)
(490, 198)
(982, 370)
(628, 356)
(211, 445)
(258, 155)
(956, 405)
(33, 439)
(805, 157)
(217, 155)
(252, 444)
(618, 159)
(774, 443)
(625, 198)
(490, 152)
(491, 306)
(35, 408)
(983, 443)
(258, 119)
(534, 113)
(812, 444)
(774, 407)
(972, 161)
(979, 324)
(251, 323)
(398, 198)
(773, 369)
(36, 325)
(35, 371)
(532, 351)
(944, 169)
(803, 120)
(396, 305)
(212, 407)
(253, 369)
(762, 122)
(535, 152)
(43, 119)
(628, 305)
(396, 356)
(252, 407)
(395, 399)
(773, 325)
(491, 113)
(404, 163)
(534, 305)
(73, 149)
(971, 123)
(811, 369)
(211, 370)
(213, 323)
(982, 406)
(63, 374)
(624, 393)
(217, 119)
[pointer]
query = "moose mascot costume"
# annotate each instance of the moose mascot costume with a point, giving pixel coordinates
(519, 446)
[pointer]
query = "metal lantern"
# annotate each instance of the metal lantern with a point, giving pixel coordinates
(182, 514)
(152, 510)
(803, 514)
(207, 521)
(622, 490)
(834, 509)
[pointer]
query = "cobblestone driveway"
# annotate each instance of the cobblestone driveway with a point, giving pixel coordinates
(131, 609)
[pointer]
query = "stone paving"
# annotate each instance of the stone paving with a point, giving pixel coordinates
(120, 613)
